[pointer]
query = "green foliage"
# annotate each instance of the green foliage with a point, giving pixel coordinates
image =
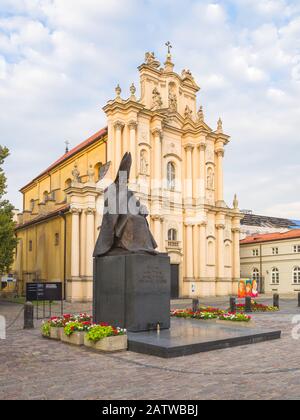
(46, 329)
(98, 332)
(8, 241)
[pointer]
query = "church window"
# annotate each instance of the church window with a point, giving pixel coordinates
(30, 246)
(45, 196)
(296, 275)
(172, 235)
(171, 175)
(275, 251)
(98, 170)
(275, 276)
(255, 274)
(56, 239)
(255, 252)
(31, 205)
(297, 249)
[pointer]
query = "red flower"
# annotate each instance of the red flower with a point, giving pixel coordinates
(104, 324)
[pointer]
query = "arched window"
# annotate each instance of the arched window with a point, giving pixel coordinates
(98, 171)
(255, 274)
(68, 183)
(171, 175)
(296, 275)
(172, 235)
(275, 276)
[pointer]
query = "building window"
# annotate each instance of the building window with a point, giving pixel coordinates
(56, 239)
(255, 252)
(30, 246)
(255, 274)
(171, 175)
(297, 249)
(296, 275)
(172, 235)
(275, 276)
(275, 251)
(31, 205)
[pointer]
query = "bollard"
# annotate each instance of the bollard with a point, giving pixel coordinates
(248, 306)
(28, 316)
(276, 300)
(298, 300)
(232, 302)
(196, 305)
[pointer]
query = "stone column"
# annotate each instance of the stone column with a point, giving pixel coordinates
(156, 219)
(75, 244)
(236, 271)
(82, 244)
(157, 134)
(195, 172)
(220, 249)
(133, 147)
(90, 240)
(189, 171)
(202, 250)
(118, 125)
(189, 250)
(202, 176)
(220, 155)
(196, 250)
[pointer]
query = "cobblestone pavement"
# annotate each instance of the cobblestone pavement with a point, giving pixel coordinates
(35, 368)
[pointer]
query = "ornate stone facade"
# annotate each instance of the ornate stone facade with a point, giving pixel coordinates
(163, 127)
(177, 172)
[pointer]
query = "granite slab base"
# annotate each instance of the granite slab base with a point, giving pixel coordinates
(186, 337)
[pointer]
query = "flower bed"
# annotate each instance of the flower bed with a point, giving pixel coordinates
(256, 307)
(235, 317)
(240, 320)
(205, 312)
(104, 337)
(79, 330)
(214, 314)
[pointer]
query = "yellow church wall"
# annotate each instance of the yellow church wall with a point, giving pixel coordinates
(43, 259)
(57, 178)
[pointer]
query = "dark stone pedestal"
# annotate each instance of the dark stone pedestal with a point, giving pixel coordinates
(132, 291)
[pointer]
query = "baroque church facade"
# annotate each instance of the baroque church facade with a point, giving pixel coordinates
(177, 172)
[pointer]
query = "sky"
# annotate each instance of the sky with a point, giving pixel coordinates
(60, 61)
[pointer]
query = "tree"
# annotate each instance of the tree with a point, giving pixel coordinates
(8, 240)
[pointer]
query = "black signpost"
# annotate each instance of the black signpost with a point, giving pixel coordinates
(44, 292)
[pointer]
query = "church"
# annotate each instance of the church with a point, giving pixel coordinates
(177, 173)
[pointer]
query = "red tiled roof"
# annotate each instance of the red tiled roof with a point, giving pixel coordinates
(291, 234)
(43, 217)
(72, 152)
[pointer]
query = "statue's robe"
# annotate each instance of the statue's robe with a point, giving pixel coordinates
(124, 226)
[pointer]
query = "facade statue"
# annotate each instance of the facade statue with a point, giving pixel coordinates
(124, 227)
(151, 60)
(76, 174)
(156, 99)
(172, 101)
(210, 179)
(143, 163)
(91, 174)
(188, 113)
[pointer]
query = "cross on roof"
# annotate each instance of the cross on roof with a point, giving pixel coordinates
(168, 44)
